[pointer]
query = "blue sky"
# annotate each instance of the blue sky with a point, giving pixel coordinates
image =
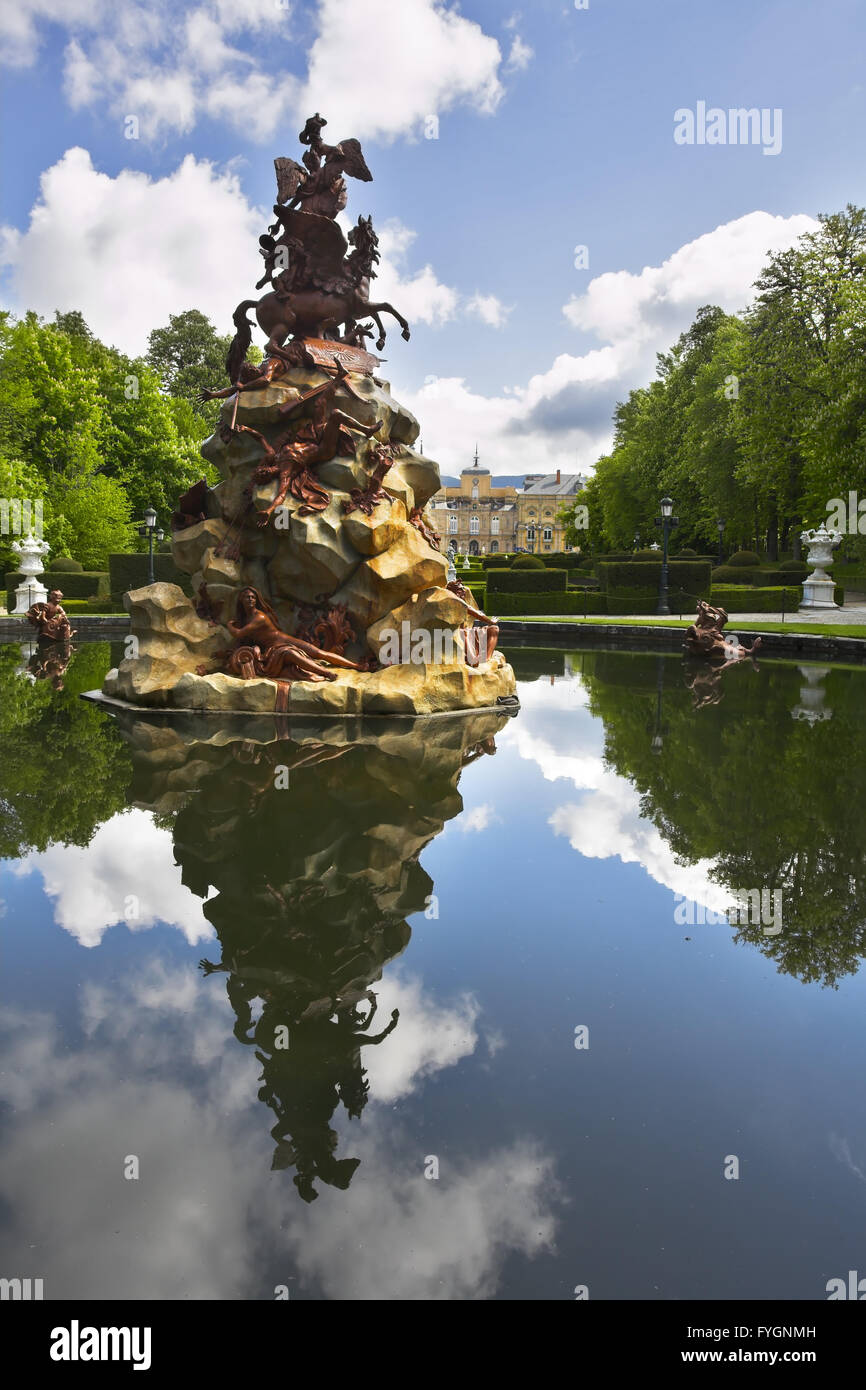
(555, 129)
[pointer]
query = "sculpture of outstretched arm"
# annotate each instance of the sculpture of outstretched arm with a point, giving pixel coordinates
(270, 451)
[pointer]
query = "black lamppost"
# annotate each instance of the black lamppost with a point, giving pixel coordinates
(720, 527)
(666, 521)
(150, 529)
(636, 541)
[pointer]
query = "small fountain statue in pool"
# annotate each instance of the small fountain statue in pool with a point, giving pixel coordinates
(316, 539)
(50, 619)
(707, 639)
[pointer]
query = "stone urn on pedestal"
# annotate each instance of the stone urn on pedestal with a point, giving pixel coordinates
(31, 554)
(819, 587)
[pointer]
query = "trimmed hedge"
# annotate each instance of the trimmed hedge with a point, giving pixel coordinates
(758, 578)
(744, 559)
(737, 597)
(497, 561)
(634, 575)
(563, 560)
(91, 605)
(72, 583)
(130, 572)
(527, 562)
(556, 605)
(526, 581)
(765, 600)
(66, 565)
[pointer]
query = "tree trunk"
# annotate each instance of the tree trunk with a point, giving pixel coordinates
(773, 535)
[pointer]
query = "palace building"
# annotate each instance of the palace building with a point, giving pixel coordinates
(481, 518)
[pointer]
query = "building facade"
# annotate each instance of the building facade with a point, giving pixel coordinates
(479, 518)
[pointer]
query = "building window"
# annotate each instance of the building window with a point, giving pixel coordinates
(547, 547)
(474, 492)
(548, 533)
(494, 547)
(473, 547)
(474, 525)
(452, 525)
(494, 526)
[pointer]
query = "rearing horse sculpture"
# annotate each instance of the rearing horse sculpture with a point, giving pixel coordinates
(320, 290)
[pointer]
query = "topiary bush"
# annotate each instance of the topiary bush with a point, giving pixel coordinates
(526, 581)
(527, 562)
(744, 559)
(739, 598)
(687, 554)
(553, 605)
(65, 565)
(72, 583)
(562, 560)
(130, 572)
(637, 575)
(756, 578)
(496, 561)
(796, 569)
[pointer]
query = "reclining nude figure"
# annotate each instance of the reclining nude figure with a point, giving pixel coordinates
(263, 649)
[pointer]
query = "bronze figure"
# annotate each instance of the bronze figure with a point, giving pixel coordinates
(315, 440)
(706, 638)
(368, 498)
(318, 286)
(50, 619)
(263, 649)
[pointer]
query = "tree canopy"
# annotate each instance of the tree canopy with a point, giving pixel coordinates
(758, 418)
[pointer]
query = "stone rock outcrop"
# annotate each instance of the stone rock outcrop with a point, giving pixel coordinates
(359, 554)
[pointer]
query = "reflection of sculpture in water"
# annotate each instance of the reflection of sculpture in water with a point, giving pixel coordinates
(705, 680)
(312, 845)
(49, 662)
(706, 638)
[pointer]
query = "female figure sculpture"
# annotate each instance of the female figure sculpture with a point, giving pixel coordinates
(263, 649)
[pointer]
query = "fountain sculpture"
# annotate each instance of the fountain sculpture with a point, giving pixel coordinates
(313, 552)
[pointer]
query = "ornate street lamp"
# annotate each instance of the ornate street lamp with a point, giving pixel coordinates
(720, 527)
(150, 529)
(666, 521)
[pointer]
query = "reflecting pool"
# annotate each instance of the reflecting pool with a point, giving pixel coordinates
(468, 1008)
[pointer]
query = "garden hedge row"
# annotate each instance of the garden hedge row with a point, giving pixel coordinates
(92, 605)
(526, 581)
(506, 605)
(564, 561)
(736, 598)
(130, 572)
(71, 583)
(634, 575)
(756, 578)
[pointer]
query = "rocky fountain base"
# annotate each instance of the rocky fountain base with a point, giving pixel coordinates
(340, 559)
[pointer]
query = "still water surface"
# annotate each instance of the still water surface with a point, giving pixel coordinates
(321, 988)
